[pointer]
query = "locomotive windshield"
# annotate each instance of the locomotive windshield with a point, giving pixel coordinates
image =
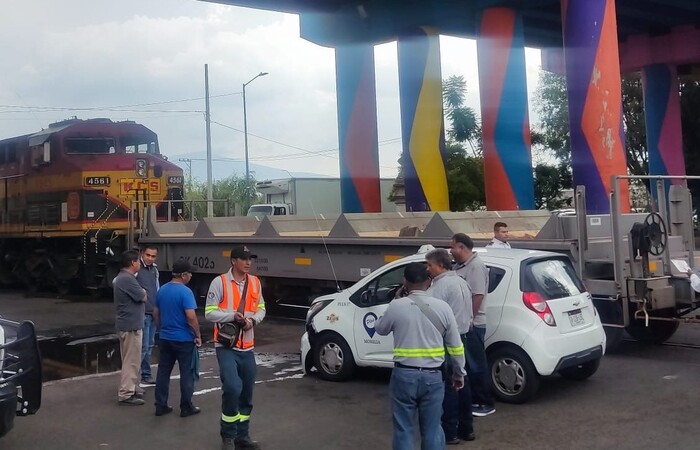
(90, 146)
(135, 144)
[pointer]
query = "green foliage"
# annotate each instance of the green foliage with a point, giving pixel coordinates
(465, 179)
(465, 174)
(232, 190)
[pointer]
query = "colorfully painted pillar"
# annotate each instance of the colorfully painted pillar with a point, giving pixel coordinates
(357, 129)
(504, 115)
(595, 100)
(662, 113)
(422, 127)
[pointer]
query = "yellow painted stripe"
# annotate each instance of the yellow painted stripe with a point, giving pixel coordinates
(226, 253)
(391, 258)
(652, 266)
(302, 261)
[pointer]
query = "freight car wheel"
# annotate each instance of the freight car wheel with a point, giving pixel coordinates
(657, 332)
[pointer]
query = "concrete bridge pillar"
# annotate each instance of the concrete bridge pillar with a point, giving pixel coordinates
(357, 128)
(662, 114)
(504, 111)
(595, 99)
(422, 127)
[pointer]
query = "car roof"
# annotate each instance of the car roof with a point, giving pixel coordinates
(512, 254)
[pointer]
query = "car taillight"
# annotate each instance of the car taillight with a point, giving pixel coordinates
(537, 304)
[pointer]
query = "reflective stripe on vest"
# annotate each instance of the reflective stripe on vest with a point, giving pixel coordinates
(230, 301)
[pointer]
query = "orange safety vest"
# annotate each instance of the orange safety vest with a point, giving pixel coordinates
(230, 301)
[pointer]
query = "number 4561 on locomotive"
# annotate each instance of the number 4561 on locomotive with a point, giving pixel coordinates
(65, 197)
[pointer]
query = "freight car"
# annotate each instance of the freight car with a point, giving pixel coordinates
(633, 264)
(65, 200)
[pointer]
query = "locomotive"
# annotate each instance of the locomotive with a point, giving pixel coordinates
(66, 195)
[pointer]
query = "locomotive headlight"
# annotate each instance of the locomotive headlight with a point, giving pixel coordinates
(141, 168)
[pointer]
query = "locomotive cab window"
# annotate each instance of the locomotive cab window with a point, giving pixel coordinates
(90, 146)
(140, 145)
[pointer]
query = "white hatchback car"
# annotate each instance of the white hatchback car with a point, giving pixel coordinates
(540, 320)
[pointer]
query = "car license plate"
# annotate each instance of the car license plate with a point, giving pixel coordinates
(576, 318)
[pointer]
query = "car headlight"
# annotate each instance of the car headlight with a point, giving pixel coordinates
(315, 308)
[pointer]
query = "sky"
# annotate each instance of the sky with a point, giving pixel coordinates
(144, 60)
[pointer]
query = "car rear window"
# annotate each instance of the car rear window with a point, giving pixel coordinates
(495, 276)
(552, 278)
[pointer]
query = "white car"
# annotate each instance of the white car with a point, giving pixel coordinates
(540, 320)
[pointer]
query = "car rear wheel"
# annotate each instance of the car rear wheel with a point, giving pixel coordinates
(333, 358)
(513, 376)
(581, 371)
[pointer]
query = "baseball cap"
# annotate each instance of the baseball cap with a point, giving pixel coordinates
(241, 252)
(181, 266)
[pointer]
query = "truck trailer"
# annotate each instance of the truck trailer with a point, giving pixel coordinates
(308, 197)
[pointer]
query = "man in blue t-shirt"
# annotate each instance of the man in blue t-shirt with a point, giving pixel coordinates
(174, 315)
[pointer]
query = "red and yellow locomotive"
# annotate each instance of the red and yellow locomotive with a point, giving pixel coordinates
(66, 193)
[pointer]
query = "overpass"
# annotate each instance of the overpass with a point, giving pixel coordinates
(590, 41)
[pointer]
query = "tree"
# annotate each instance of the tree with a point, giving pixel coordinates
(232, 189)
(465, 174)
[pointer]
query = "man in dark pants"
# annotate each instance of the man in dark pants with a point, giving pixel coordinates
(236, 296)
(457, 420)
(469, 266)
(174, 314)
(148, 279)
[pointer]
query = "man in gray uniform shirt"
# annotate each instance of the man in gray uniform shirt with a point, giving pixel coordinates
(419, 353)
(130, 301)
(469, 266)
(457, 420)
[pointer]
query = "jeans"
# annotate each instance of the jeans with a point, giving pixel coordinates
(417, 392)
(478, 367)
(171, 351)
(149, 338)
(237, 370)
(457, 407)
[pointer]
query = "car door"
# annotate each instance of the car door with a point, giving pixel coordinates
(372, 301)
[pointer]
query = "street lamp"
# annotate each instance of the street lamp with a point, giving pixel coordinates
(245, 136)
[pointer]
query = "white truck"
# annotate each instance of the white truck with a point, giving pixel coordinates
(308, 197)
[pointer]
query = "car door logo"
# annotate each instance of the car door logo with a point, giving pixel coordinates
(368, 322)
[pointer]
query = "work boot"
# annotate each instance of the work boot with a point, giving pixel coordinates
(228, 444)
(246, 444)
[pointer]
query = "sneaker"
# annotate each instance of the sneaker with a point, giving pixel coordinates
(246, 444)
(150, 382)
(131, 401)
(482, 410)
(138, 395)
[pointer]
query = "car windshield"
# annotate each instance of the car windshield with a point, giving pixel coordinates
(90, 146)
(552, 278)
(260, 210)
(137, 144)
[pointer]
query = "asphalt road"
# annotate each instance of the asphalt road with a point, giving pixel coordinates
(641, 397)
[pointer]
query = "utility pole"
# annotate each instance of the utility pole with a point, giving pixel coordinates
(188, 161)
(210, 204)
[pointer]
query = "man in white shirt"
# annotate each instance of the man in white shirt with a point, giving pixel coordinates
(500, 236)
(694, 280)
